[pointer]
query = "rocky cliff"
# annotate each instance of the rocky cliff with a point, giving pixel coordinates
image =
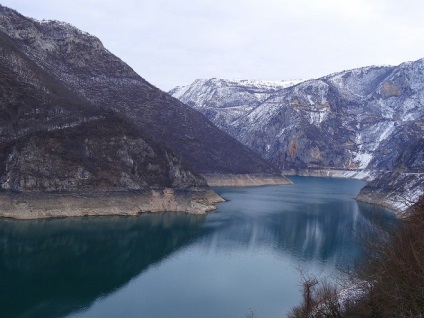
(62, 154)
(367, 122)
(81, 63)
(82, 134)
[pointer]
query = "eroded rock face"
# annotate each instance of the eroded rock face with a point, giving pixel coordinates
(92, 157)
(245, 180)
(30, 205)
(63, 155)
(85, 67)
(364, 120)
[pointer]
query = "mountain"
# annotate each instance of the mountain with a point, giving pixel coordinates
(224, 101)
(366, 123)
(62, 155)
(81, 63)
(82, 134)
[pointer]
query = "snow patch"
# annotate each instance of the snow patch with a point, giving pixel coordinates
(358, 174)
(386, 133)
(363, 159)
(311, 102)
(267, 84)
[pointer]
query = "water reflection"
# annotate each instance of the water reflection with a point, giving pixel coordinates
(50, 268)
(54, 268)
(312, 221)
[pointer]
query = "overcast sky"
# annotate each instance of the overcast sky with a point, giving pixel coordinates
(172, 43)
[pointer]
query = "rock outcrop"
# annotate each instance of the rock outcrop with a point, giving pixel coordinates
(367, 122)
(27, 205)
(65, 154)
(80, 62)
(244, 180)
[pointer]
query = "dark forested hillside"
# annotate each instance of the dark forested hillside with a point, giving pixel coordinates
(81, 63)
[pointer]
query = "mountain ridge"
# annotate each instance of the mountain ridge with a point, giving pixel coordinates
(60, 155)
(82, 134)
(342, 124)
(82, 64)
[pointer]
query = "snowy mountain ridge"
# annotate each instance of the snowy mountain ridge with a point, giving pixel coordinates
(366, 122)
(245, 83)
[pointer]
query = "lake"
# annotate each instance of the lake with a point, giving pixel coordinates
(245, 256)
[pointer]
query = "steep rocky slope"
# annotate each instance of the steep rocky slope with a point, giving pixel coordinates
(82, 134)
(366, 123)
(225, 101)
(84, 66)
(60, 154)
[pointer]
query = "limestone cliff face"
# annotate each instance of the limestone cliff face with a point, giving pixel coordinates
(39, 205)
(81, 63)
(245, 180)
(92, 157)
(366, 121)
(63, 154)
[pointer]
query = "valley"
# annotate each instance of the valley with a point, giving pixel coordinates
(365, 123)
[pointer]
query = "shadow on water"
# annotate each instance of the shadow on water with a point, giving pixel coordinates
(50, 268)
(53, 268)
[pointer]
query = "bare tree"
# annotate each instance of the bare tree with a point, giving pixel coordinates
(319, 299)
(388, 282)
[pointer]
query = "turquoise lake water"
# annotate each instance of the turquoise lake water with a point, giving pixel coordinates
(245, 256)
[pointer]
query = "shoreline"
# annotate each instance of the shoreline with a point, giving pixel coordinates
(43, 205)
(363, 174)
(397, 191)
(245, 180)
(27, 206)
(381, 201)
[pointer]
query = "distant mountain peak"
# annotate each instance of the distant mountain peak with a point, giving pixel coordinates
(344, 121)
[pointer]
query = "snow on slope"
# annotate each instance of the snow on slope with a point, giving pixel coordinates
(366, 118)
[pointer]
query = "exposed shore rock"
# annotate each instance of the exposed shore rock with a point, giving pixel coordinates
(49, 205)
(245, 180)
(395, 190)
(366, 175)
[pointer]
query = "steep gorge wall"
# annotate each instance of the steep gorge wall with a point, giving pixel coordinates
(63, 155)
(81, 63)
(367, 122)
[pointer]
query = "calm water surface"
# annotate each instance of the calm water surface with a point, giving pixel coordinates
(244, 256)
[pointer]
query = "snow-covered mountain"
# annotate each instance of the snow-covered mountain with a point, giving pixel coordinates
(366, 122)
(225, 101)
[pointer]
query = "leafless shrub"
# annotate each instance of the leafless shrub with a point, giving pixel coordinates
(251, 314)
(393, 266)
(319, 299)
(390, 276)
